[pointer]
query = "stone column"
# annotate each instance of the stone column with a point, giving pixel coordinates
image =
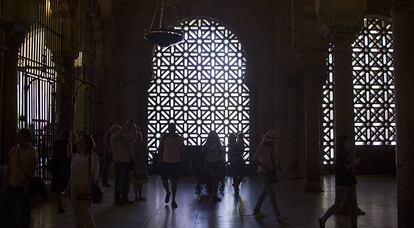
(67, 87)
(313, 88)
(9, 96)
(403, 29)
(342, 38)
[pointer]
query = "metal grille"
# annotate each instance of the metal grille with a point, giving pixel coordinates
(374, 105)
(199, 85)
(38, 69)
(373, 79)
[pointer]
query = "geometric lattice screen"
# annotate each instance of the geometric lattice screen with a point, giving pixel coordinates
(199, 85)
(374, 95)
(374, 104)
(328, 140)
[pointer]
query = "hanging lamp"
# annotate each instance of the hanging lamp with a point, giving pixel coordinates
(163, 36)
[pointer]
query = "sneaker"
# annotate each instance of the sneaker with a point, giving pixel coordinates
(141, 199)
(61, 211)
(106, 185)
(167, 197)
(321, 223)
(258, 215)
(174, 204)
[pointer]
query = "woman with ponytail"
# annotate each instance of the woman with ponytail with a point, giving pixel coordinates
(84, 170)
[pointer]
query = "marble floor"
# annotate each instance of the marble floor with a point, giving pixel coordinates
(376, 196)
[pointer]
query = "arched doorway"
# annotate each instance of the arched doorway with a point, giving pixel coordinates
(199, 85)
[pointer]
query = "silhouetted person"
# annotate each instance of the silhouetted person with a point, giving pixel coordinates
(84, 170)
(139, 169)
(266, 156)
(170, 150)
(344, 180)
(214, 159)
(22, 166)
(121, 142)
(107, 156)
(60, 166)
(236, 151)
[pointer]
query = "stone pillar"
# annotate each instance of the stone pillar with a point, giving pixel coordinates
(342, 38)
(403, 30)
(67, 87)
(12, 43)
(313, 88)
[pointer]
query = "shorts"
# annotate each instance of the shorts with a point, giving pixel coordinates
(170, 170)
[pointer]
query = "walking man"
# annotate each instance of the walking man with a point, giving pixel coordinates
(170, 150)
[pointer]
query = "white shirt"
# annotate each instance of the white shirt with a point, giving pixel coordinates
(171, 146)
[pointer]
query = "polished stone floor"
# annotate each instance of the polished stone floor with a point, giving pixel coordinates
(376, 195)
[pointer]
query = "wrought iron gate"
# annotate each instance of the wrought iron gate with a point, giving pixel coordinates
(38, 69)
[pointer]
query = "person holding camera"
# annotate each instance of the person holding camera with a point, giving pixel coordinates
(122, 139)
(268, 165)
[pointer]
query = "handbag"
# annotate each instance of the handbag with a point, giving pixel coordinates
(96, 191)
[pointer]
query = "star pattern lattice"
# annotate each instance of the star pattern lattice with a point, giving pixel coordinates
(374, 96)
(199, 85)
(373, 70)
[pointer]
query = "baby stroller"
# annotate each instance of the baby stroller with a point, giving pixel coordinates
(198, 170)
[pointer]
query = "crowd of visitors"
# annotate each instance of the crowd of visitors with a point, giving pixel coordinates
(75, 167)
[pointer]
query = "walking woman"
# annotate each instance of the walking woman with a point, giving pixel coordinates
(84, 170)
(214, 158)
(60, 167)
(267, 158)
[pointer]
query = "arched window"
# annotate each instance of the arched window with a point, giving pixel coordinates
(199, 85)
(374, 104)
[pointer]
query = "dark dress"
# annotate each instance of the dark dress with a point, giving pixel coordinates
(60, 166)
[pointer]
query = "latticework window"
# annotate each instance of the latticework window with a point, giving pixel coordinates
(199, 85)
(328, 141)
(374, 105)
